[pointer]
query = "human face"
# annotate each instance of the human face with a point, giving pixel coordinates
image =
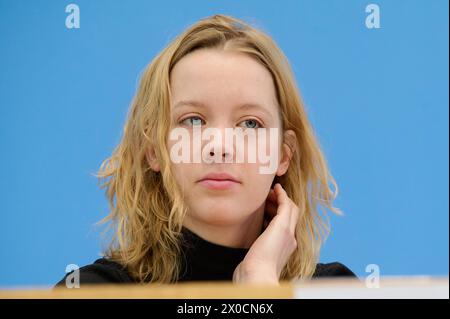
(217, 84)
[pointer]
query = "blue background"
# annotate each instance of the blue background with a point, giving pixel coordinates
(378, 99)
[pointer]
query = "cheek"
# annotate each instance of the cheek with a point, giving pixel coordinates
(263, 152)
(183, 175)
(256, 185)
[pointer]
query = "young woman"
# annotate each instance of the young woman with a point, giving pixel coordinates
(176, 221)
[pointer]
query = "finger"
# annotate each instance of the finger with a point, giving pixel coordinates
(293, 212)
(281, 194)
(284, 205)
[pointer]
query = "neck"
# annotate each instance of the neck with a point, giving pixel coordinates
(237, 236)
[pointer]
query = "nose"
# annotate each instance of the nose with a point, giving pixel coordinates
(218, 150)
(226, 156)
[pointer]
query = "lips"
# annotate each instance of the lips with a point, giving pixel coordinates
(220, 177)
(219, 181)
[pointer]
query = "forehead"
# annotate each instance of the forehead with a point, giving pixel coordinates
(222, 78)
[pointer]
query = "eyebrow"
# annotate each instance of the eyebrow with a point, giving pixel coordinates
(245, 106)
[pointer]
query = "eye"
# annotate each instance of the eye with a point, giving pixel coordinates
(252, 123)
(193, 121)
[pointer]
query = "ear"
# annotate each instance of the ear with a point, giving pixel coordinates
(151, 159)
(288, 149)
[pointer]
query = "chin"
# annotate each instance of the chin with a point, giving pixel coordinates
(221, 218)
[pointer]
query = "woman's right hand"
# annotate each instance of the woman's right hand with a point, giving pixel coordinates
(270, 252)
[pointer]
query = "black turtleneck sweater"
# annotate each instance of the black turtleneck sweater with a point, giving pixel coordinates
(203, 261)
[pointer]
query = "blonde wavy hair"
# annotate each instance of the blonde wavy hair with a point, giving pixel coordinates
(147, 208)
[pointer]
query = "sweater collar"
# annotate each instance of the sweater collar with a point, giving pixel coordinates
(204, 260)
